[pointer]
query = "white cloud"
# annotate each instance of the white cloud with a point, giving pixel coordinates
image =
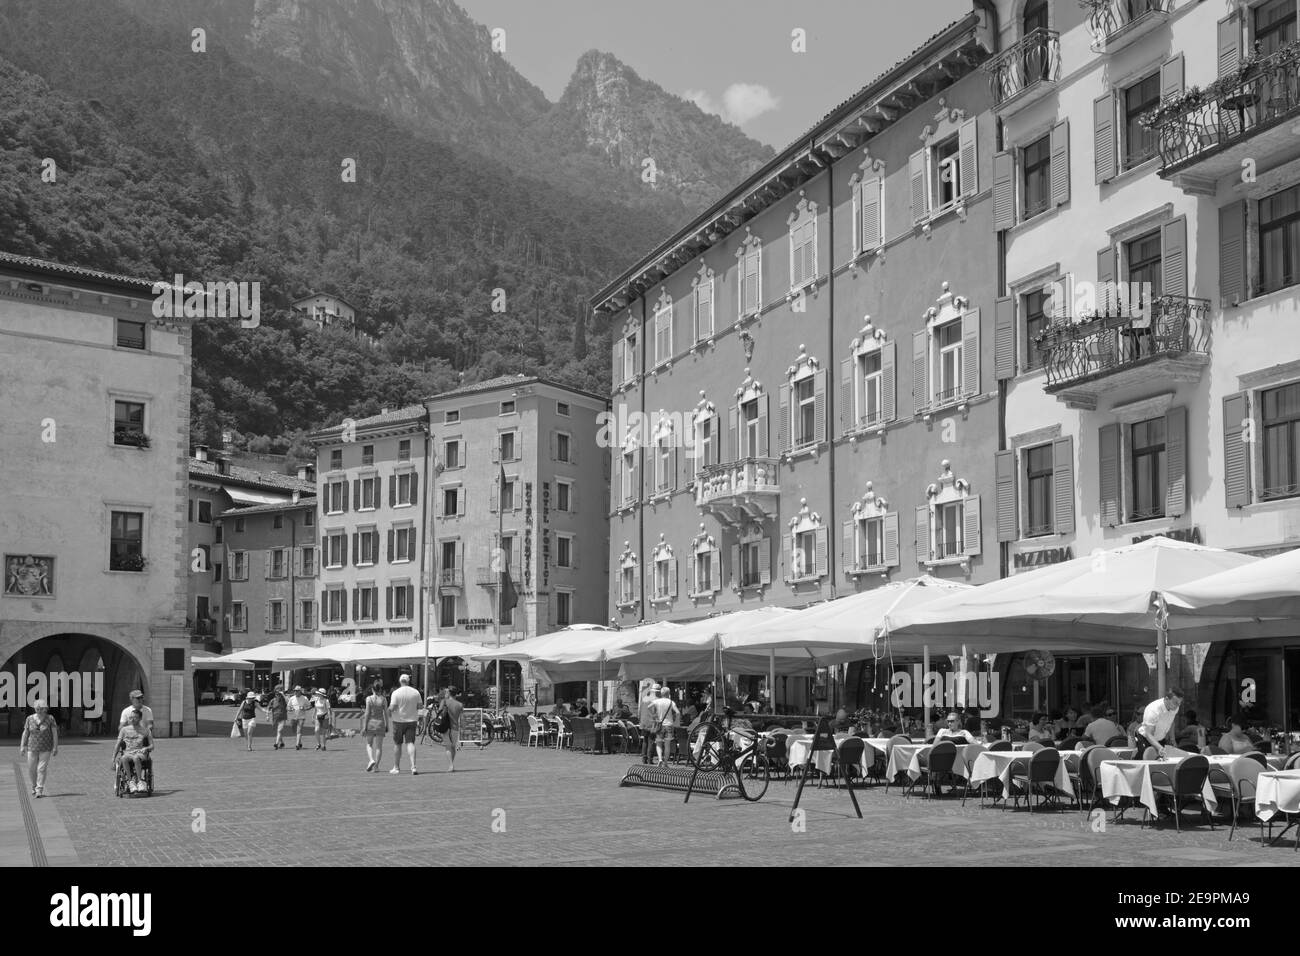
(741, 102)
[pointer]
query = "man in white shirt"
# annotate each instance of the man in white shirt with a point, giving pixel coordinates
(404, 714)
(666, 717)
(953, 731)
(1158, 721)
(138, 705)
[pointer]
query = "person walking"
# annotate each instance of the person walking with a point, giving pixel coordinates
(278, 708)
(247, 717)
(139, 707)
(647, 722)
(449, 716)
(298, 707)
(374, 723)
(322, 705)
(404, 713)
(666, 719)
(40, 742)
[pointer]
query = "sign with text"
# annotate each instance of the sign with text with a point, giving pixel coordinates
(1190, 535)
(1041, 557)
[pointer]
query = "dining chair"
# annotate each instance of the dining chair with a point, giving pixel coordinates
(538, 733)
(1292, 762)
(1186, 785)
(1038, 776)
(1002, 745)
(1258, 757)
(847, 761)
(563, 733)
(1089, 784)
(1119, 740)
(936, 768)
(889, 750)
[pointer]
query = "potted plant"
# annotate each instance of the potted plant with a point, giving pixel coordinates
(136, 439)
(128, 562)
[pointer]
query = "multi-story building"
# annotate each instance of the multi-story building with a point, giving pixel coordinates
(1147, 199)
(95, 439)
(324, 311)
(804, 374)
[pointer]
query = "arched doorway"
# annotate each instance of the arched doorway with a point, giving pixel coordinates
(86, 680)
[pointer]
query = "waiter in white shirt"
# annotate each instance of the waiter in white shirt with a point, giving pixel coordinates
(138, 705)
(1158, 722)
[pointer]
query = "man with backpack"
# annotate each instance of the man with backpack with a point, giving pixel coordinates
(449, 725)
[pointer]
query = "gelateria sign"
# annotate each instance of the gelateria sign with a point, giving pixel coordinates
(932, 689)
(79, 690)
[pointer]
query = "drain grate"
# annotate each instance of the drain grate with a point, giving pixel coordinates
(29, 820)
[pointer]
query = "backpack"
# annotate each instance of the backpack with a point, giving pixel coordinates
(444, 720)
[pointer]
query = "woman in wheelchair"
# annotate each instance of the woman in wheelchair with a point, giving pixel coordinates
(134, 750)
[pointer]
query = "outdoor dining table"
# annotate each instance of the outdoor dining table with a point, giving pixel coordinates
(999, 764)
(1132, 778)
(1278, 792)
(908, 757)
(797, 750)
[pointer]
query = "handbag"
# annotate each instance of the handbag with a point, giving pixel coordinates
(444, 721)
(236, 731)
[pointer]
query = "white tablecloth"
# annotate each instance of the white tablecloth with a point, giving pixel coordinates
(907, 757)
(797, 751)
(1132, 778)
(998, 764)
(1279, 792)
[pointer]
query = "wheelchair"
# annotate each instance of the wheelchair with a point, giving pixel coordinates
(122, 777)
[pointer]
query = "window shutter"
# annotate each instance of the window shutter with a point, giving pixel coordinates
(266, 565)
(410, 545)
(972, 526)
(819, 405)
(392, 491)
(888, 381)
(552, 441)
(765, 561)
(1229, 44)
(871, 231)
(517, 546)
(750, 298)
(496, 450)
(1004, 191)
(1004, 338)
(1173, 257)
(1176, 461)
(573, 498)
(356, 604)
(715, 573)
(461, 494)
(1060, 168)
(691, 577)
(324, 603)
(1232, 273)
(822, 548)
(410, 601)
(890, 522)
(439, 501)
(969, 158)
(343, 606)
(1004, 467)
(733, 433)
(797, 277)
(388, 603)
(356, 494)
(735, 564)
(415, 488)
(847, 421)
(1105, 160)
(296, 557)
(672, 577)
(783, 427)
(848, 560)
(920, 367)
(970, 352)
(1108, 473)
(673, 467)
(266, 616)
(636, 584)
(496, 496)
(391, 535)
(1106, 272)
(618, 378)
(1171, 78)
(616, 482)
(922, 539)
(343, 496)
(573, 448)
(762, 426)
(1236, 460)
(636, 479)
(356, 548)
(916, 171)
(1063, 485)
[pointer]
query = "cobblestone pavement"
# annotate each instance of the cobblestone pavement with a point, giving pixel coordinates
(274, 808)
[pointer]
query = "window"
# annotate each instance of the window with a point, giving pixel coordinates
(563, 551)
(401, 602)
(562, 447)
(216, 571)
(1279, 240)
(1038, 482)
(128, 423)
(750, 297)
(563, 608)
(308, 519)
(335, 497)
(309, 562)
(275, 614)
(367, 454)
(451, 417)
(449, 555)
(1035, 325)
(451, 454)
(804, 555)
(508, 495)
(803, 246)
(239, 526)
(663, 331)
(403, 545)
(238, 619)
(703, 572)
(629, 357)
(507, 446)
(1147, 448)
(205, 511)
(563, 496)
(629, 473)
(1144, 267)
(562, 408)
(871, 370)
(405, 484)
(805, 411)
(335, 550)
(238, 565)
(335, 609)
(126, 543)
(871, 543)
(663, 576)
(750, 569)
(1138, 100)
(946, 170)
(367, 547)
(367, 603)
(277, 522)
(749, 428)
(218, 531)
(663, 463)
(190, 511)
(404, 450)
(1036, 162)
(705, 442)
(451, 502)
(627, 586)
(277, 563)
(336, 459)
(947, 528)
(1281, 427)
(130, 335)
(1275, 26)
(369, 493)
(948, 341)
(308, 615)
(507, 408)
(703, 305)
(447, 611)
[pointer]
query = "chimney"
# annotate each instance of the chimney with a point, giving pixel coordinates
(307, 472)
(201, 452)
(223, 465)
(384, 410)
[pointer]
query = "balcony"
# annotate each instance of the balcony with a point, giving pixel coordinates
(488, 578)
(1205, 135)
(1025, 72)
(739, 491)
(1169, 341)
(451, 578)
(1115, 24)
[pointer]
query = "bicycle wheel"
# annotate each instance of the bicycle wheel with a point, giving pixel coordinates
(704, 747)
(753, 776)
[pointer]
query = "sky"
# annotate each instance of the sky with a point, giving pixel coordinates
(731, 57)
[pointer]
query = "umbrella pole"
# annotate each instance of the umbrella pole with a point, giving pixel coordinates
(925, 677)
(771, 678)
(1162, 641)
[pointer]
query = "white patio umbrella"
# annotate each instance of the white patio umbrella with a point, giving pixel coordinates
(1269, 588)
(283, 655)
(1107, 601)
(578, 642)
(220, 664)
(397, 655)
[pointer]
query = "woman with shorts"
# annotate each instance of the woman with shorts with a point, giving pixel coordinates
(247, 717)
(374, 723)
(322, 704)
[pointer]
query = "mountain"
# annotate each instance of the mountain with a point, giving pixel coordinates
(471, 191)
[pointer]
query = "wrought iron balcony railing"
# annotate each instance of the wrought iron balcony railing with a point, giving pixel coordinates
(1171, 326)
(486, 577)
(1261, 94)
(1034, 60)
(451, 578)
(1106, 18)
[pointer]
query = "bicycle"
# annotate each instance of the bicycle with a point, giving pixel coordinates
(424, 728)
(711, 749)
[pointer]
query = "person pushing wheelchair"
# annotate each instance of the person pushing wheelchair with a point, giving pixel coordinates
(134, 748)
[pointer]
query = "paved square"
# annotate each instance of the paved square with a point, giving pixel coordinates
(276, 808)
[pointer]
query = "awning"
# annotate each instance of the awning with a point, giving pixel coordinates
(241, 497)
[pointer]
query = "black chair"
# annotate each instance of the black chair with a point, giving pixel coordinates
(1292, 762)
(936, 768)
(521, 730)
(848, 759)
(1119, 740)
(1186, 785)
(1069, 743)
(1258, 757)
(1089, 783)
(777, 755)
(1001, 745)
(1039, 777)
(1032, 746)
